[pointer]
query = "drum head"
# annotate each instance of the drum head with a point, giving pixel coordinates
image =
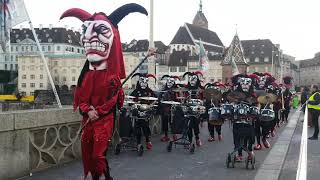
(212, 94)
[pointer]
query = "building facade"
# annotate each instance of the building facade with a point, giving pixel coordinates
(56, 41)
(310, 70)
(33, 76)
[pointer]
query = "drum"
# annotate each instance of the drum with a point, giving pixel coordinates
(178, 119)
(141, 110)
(194, 102)
(242, 110)
(214, 116)
(226, 111)
(254, 111)
(266, 115)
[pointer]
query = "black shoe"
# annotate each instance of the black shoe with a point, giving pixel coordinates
(313, 138)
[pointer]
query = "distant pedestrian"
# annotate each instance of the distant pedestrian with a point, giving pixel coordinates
(314, 108)
(295, 101)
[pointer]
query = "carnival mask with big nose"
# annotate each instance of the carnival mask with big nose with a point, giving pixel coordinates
(193, 79)
(143, 81)
(170, 82)
(262, 81)
(97, 39)
(245, 83)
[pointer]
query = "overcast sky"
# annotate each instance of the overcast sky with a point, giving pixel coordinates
(294, 24)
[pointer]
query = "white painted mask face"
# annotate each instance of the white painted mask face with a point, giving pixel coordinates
(143, 81)
(193, 80)
(245, 83)
(262, 81)
(170, 82)
(97, 39)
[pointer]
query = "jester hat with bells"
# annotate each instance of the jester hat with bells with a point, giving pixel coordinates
(244, 83)
(101, 38)
(287, 81)
(265, 79)
(170, 81)
(143, 80)
(193, 79)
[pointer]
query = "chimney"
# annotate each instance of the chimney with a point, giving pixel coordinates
(50, 26)
(40, 26)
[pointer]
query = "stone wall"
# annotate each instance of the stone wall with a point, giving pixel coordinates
(35, 140)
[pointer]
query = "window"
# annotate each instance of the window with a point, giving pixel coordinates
(173, 69)
(58, 48)
(11, 66)
(43, 48)
(55, 71)
(78, 50)
(41, 76)
(182, 69)
(16, 65)
(16, 58)
(22, 48)
(32, 68)
(17, 48)
(55, 63)
(24, 76)
(31, 48)
(64, 79)
(266, 59)
(49, 48)
(11, 48)
(27, 48)
(31, 93)
(256, 59)
(23, 85)
(73, 78)
(32, 85)
(73, 71)
(56, 78)
(41, 85)
(11, 57)
(32, 76)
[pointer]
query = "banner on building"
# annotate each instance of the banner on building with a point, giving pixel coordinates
(203, 58)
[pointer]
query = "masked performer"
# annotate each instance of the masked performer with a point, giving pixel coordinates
(195, 91)
(96, 93)
(287, 98)
(143, 90)
(263, 128)
(167, 94)
(212, 115)
(243, 128)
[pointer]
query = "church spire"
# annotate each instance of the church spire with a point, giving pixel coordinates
(200, 19)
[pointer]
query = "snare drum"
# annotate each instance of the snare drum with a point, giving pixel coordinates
(227, 111)
(194, 102)
(254, 111)
(214, 116)
(242, 110)
(266, 115)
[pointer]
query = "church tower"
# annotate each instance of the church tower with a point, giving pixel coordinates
(200, 19)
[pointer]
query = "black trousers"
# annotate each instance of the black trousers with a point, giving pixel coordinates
(315, 120)
(212, 127)
(243, 133)
(142, 126)
(166, 121)
(285, 114)
(193, 128)
(262, 129)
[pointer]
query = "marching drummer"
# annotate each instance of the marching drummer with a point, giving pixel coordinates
(195, 91)
(143, 90)
(213, 98)
(167, 94)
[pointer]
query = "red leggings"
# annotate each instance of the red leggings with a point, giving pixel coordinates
(94, 146)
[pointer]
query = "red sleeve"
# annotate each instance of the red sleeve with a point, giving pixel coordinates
(110, 103)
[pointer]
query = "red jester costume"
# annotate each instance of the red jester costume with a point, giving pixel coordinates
(99, 89)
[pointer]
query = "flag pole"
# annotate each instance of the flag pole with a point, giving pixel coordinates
(44, 61)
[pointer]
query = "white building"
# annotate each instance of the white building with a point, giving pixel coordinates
(57, 41)
(64, 70)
